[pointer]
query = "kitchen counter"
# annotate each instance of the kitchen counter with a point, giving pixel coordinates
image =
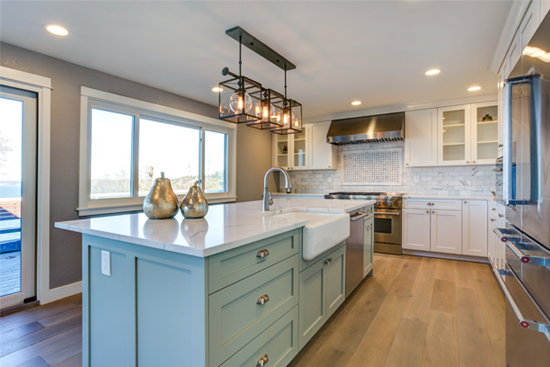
(405, 196)
(225, 227)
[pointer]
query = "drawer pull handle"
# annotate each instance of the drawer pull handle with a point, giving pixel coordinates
(262, 253)
(431, 204)
(328, 261)
(262, 361)
(500, 215)
(492, 219)
(263, 300)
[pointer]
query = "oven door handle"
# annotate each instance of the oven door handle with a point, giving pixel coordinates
(386, 213)
(524, 322)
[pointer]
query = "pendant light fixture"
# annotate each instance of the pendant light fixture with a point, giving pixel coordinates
(292, 116)
(241, 97)
(244, 100)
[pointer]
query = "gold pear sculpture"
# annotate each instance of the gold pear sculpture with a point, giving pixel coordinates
(161, 202)
(194, 205)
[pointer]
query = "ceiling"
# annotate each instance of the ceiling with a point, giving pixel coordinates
(373, 51)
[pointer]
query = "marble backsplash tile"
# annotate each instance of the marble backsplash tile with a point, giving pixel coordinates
(463, 180)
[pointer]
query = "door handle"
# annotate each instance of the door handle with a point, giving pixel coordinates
(524, 322)
(528, 259)
(262, 361)
(262, 254)
(263, 300)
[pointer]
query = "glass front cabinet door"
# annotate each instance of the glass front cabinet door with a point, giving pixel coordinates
(454, 135)
(484, 131)
(291, 151)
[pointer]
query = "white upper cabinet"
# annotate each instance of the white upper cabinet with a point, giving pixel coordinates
(484, 132)
(421, 138)
(529, 25)
(307, 150)
(453, 135)
(544, 8)
(323, 154)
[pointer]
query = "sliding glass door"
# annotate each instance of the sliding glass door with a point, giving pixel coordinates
(18, 142)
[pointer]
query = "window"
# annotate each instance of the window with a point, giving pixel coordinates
(126, 144)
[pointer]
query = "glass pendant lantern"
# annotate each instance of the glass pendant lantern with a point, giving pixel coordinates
(239, 100)
(292, 118)
(270, 112)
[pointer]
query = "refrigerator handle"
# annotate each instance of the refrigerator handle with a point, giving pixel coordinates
(507, 144)
(517, 248)
(524, 322)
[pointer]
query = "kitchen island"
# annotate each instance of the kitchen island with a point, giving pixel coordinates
(231, 289)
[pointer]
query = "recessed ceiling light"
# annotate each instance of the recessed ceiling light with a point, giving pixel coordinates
(473, 89)
(217, 89)
(55, 29)
(356, 103)
(433, 72)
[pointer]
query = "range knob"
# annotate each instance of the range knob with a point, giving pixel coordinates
(377, 203)
(389, 203)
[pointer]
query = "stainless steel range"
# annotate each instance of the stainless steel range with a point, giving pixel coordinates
(387, 218)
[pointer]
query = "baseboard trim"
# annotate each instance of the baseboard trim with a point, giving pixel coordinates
(61, 292)
(17, 308)
(440, 255)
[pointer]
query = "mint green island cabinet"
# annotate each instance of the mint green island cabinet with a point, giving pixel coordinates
(252, 304)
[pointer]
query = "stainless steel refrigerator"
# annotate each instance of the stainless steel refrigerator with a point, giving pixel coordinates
(526, 278)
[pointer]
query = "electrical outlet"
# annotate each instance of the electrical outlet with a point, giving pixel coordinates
(106, 263)
(330, 179)
(416, 178)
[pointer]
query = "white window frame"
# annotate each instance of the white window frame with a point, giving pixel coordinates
(91, 98)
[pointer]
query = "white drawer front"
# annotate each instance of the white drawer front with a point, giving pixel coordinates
(441, 204)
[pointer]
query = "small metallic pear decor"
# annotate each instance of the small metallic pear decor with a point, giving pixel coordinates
(161, 202)
(194, 205)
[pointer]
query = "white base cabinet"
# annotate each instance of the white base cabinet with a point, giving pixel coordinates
(474, 227)
(445, 226)
(496, 249)
(446, 233)
(416, 229)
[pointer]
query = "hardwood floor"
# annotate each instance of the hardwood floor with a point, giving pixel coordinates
(414, 312)
(49, 335)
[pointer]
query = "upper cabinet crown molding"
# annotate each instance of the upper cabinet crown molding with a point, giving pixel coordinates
(513, 20)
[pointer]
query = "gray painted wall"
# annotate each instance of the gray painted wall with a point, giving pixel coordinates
(253, 147)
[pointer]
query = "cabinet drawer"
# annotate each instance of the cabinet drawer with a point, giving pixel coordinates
(278, 343)
(236, 317)
(229, 267)
(441, 204)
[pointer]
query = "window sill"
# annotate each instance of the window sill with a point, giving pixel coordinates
(125, 208)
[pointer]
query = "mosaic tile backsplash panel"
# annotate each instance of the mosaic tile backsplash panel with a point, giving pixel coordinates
(463, 180)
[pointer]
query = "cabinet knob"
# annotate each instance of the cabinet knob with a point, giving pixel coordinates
(492, 219)
(493, 209)
(407, 164)
(427, 211)
(262, 361)
(474, 162)
(431, 204)
(465, 202)
(433, 211)
(500, 215)
(263, 300)
(262, 254)
(500, 145)
(467, 162)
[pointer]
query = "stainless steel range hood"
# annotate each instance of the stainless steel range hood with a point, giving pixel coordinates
(367, 129)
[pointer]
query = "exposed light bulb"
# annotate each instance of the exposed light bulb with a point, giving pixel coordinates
(238, 104)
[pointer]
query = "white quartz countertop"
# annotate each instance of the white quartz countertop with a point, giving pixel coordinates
(225, 227)
(405, 196)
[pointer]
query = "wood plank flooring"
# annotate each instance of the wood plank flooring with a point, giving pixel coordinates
(414, 312)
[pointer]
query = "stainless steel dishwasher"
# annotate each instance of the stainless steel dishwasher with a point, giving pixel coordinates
(355, 245)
